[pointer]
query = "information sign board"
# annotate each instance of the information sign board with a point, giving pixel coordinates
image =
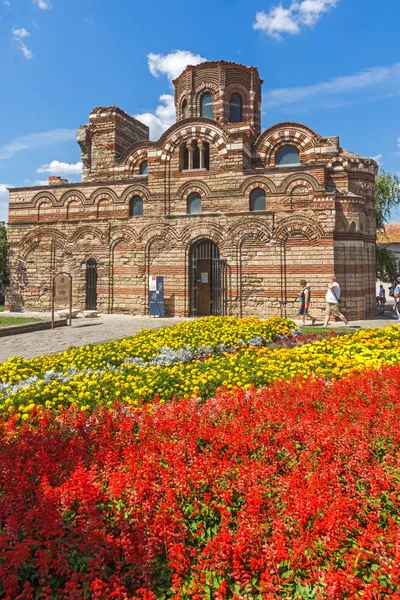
(61, 293)
(62, 288)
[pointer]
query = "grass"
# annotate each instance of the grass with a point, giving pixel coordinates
(8, 321)
(326, 330)
(1, 308)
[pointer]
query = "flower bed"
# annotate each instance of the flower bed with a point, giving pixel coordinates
(244, 366)
(152, 468)
(287, 492)
(212, 332)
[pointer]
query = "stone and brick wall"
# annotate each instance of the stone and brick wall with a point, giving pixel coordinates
(319, 216)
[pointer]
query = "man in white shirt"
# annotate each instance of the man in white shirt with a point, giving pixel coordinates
(332, 302)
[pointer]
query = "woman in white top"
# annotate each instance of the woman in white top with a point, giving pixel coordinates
(332, 302)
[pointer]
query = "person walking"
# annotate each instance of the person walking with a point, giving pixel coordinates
(382, 295)
(396, 295)
(332, 299)
(305, 301)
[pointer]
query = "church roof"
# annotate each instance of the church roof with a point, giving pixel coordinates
(391, 234)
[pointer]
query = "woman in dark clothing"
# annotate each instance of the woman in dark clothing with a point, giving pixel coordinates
(305, 301)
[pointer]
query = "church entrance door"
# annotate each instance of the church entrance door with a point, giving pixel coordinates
(208, 280)
(91, 285)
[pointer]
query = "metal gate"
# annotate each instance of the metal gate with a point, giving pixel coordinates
(208, 280)
(91, 285)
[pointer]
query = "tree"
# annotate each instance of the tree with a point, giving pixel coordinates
(387, 265)
(3, 258)
(387, 197)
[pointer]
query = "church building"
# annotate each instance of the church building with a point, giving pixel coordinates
(231, 216)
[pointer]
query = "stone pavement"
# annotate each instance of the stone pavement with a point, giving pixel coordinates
(83, 331)
(110, 327)
(377, 321)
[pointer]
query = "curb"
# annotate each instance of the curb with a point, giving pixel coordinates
(30, 327)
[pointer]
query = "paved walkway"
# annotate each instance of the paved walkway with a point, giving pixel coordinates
(83, 331)
(110, 327)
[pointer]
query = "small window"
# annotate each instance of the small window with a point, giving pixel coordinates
(206, 109)
(144, 167)
(235, 109)
(136, 207)
(196, 157)
(185, 110)
(257, 199)
(194, 204)
(287, 155)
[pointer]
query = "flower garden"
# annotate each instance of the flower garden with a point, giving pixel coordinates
(218, 458)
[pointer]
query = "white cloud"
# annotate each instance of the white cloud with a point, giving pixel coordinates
(36, 140)
(4, 190)
(60, 168)
(20, 33)
(382, 80)
(4, 201)
(163, 118)
(41, 182)
(172, 64)
(43, 4)
(378, 159)
(398, 142)
(18, 36)
(303, 13)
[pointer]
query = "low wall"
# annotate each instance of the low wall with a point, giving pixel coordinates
(29, 327)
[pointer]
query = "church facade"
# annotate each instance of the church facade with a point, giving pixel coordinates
(231, 216)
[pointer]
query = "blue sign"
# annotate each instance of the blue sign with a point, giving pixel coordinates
(156, 296)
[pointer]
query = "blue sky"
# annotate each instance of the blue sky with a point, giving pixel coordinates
(332, 64)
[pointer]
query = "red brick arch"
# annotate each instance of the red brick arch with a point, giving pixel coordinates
(192, 187)
(303, 179)
(258, 228)
(202, 229)
(102, 194)
(257, 182)
(282, 134)
(134, 160)
(208, 131)
(299, 225)
(43, 196)
(73, 195)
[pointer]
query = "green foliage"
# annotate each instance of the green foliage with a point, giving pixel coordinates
(3, 257)
(387, 197)
(387, 265)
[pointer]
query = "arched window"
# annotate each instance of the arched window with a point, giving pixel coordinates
(136, 207)
(235, 109)
(194, 155)
(194, 204)
(287, 155)
(206, 108)
(257, 199)
(185, 109)
(143, 168)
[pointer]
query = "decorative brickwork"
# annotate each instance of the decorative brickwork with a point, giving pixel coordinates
(319, 215)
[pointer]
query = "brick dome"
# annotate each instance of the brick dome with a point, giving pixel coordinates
(226, 92)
